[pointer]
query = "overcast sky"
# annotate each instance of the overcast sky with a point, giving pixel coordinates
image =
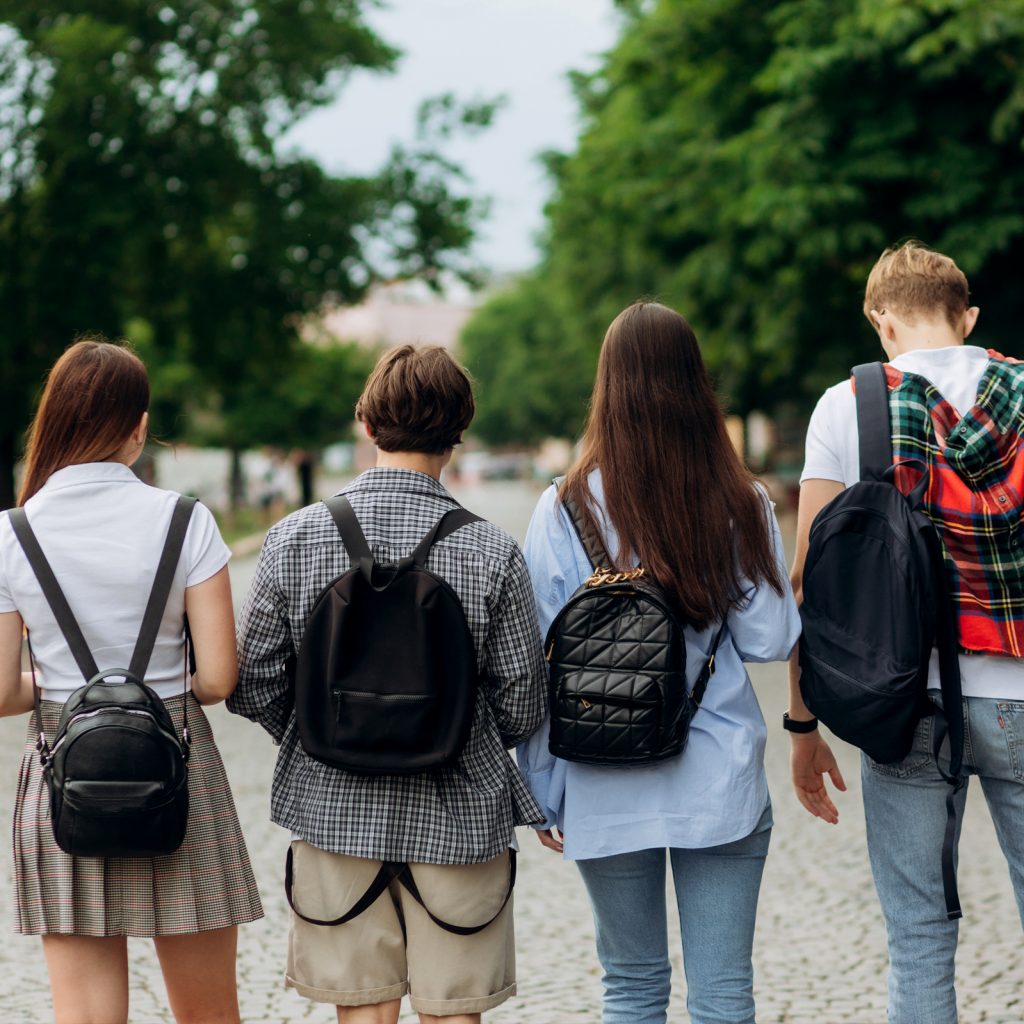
(476, 49)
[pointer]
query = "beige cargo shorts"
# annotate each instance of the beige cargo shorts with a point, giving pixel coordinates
(393, 948)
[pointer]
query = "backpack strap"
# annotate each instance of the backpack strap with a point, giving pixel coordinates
(591, 539)
(389, 872)
(352, 535)
(162, 583)
(697, 693)
(55, 598)
(454, 519)
(409, 883)
(358, 549)
(874, 432)
(949, 719)
(73, 636)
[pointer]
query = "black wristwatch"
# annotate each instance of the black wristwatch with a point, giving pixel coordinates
(792, 725)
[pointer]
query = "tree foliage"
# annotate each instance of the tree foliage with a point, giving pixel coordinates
(143, 190)
(747, 165)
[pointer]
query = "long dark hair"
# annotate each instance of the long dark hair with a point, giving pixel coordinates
(94, 397)
(677, 493)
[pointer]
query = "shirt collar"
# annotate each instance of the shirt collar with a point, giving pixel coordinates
(89, 473)
(408, 481)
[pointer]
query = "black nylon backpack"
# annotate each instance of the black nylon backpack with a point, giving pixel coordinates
(117, 771)
(617, 657)
(386, 673)
(875, 602)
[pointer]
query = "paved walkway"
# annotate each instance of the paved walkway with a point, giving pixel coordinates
(820, 947)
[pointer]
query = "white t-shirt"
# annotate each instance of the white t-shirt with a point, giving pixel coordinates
(833, 453)
(102, 531)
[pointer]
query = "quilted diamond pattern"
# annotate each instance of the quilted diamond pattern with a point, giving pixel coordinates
(618, 688)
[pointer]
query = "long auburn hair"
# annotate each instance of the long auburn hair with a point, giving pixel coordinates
(676, 491)
(94, 397)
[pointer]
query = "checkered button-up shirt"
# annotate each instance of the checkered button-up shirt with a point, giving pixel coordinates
(975, 494)
(460, 814)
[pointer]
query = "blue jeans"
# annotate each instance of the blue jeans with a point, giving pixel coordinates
(716, 892)
(905, 808)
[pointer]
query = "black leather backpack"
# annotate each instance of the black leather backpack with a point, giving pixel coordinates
(617, 657)
(117, 770)
(386, 673)
(875, 602)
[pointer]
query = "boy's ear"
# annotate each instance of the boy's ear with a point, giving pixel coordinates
(970, 319)
(883, 324)
(367, 428)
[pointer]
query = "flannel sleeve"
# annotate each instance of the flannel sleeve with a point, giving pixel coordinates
(266, 650)
(514, 670)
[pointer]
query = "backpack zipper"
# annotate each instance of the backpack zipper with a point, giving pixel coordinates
(588, 700)
(82, 715)
(337, 691)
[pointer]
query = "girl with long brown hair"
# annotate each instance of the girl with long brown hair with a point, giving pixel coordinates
(659, 482)
(102, 531)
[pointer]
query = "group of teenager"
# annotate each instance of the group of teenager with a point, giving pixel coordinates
(400, 881)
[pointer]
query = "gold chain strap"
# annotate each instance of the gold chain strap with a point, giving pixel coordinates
(602, 577)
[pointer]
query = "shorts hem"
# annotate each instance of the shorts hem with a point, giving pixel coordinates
(452, 1007)
(359, 997)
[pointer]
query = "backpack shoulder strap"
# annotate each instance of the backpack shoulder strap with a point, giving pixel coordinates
(54, 595)
(358, 549)
(874, 431)
(454, 519)
(352, 535)
(162, 582)
(592, 541)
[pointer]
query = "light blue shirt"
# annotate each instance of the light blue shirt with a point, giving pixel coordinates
(716, 790)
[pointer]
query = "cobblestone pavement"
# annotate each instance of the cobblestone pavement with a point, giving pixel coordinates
(820, 945)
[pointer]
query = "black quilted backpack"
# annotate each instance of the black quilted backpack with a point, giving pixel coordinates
(386, 673)
(618, 667)
(117, 769)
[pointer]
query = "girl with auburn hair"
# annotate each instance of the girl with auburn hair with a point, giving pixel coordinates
(659, 482)
(102, 530)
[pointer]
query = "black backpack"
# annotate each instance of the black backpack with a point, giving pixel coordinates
(386, 673)
(617, 659)
(117, 770)
(875, 602)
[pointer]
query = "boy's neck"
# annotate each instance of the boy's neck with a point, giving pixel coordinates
(922, 336)
(420, 462)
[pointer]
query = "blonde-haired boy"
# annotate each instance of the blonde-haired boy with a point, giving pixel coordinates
(957, 408)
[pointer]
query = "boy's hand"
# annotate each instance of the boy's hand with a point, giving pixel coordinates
(811, 759)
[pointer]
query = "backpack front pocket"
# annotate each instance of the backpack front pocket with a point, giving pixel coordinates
(376, 722)
(606, 717)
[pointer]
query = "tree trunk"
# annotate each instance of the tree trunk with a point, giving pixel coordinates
(7, 462)
(307, 469)
(236, 481)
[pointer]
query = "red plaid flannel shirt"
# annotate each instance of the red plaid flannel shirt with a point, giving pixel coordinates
(975, 495)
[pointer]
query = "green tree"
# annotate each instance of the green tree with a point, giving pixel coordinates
(307, 408)
(142, 186)
(748, 164)
(529, 383)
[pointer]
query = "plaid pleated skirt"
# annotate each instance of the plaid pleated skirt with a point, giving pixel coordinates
(206, 883)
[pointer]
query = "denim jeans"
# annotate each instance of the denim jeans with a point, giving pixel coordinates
(905, 808)
(716, 893)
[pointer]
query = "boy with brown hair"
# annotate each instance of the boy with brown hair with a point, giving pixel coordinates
(957, 408)
(452, 825)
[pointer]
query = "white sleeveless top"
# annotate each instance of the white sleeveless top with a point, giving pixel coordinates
(102, 530)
